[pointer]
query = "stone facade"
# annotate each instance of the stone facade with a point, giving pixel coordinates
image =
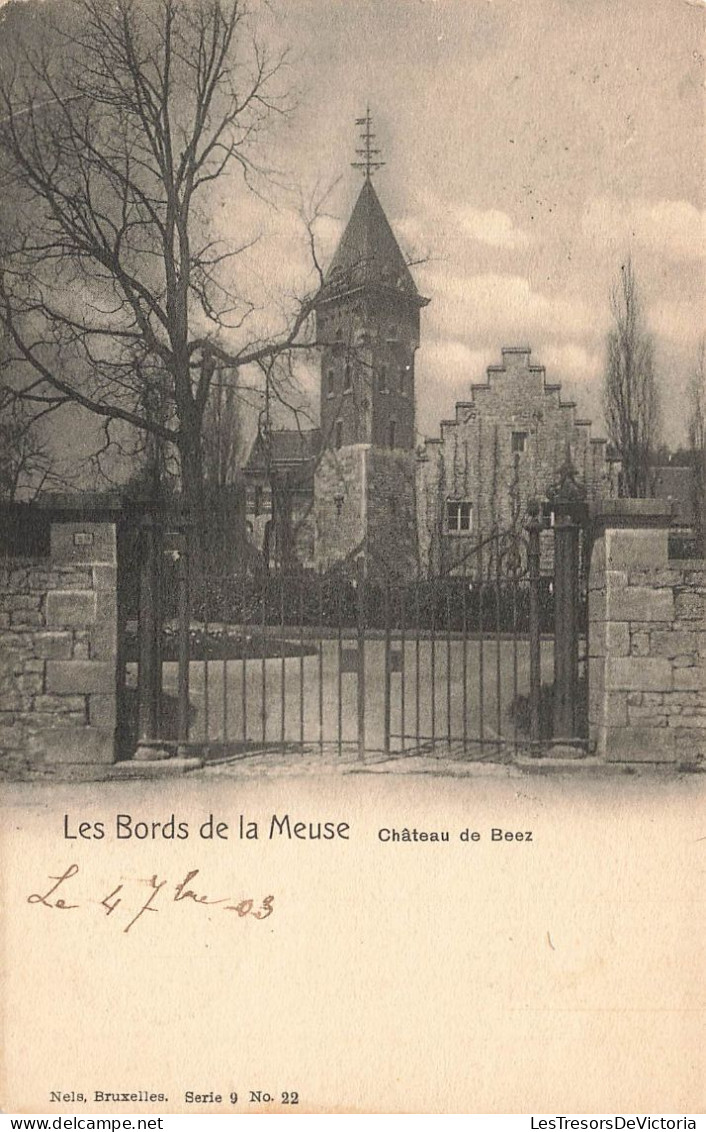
(341, 495)
(364, 496)
(647, 640)
(505, 446)
(58, 653)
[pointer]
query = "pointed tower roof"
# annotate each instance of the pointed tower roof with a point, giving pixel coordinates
(368, 253)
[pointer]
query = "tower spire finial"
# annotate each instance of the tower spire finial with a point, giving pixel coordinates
(367, 152)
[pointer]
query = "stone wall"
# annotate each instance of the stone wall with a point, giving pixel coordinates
(391, 513)
(340, 494)
(647, 640)
(365, 503)
(58, 648)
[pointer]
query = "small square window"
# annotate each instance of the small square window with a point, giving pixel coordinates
(519, 441)
(459, 516)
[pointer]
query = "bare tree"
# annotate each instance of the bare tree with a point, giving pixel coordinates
(113, 286)
(697, 443)
(27, 464)
(223, 434)
(630, 396)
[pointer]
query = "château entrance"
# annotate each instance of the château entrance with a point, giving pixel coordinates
(483, 661)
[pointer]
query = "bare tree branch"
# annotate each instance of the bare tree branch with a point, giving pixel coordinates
(630, 395)
(111, 285)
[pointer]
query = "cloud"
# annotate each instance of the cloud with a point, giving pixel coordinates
(573, 362)
(490, 226)
(450, 363)
(671, 228)
(504, 310)
(327, 233)
(447, 222)
(446, 369)
(677, 322)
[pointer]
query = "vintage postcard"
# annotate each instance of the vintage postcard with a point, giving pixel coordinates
(352, 557)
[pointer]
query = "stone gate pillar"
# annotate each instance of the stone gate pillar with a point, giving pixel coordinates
(80, 615)
(626, 609)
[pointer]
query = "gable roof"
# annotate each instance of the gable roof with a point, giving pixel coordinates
(288, 447)
(368, 251)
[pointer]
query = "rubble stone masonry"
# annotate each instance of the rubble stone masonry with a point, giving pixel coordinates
(58, 647)
(647, 640)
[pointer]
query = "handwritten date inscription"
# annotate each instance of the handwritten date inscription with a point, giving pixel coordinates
(146, 894)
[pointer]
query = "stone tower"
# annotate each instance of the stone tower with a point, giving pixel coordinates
(368, 330)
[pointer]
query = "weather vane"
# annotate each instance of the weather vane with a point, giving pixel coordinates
(368, 153)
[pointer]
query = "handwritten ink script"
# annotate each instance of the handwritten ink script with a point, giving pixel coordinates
(144, 894)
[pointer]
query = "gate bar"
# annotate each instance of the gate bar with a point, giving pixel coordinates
(263, 650)
(301, 660)
(449, 583)
(566, 637)
(534, 527)
(498, 632)
(417, 650)
(361, 613)
(388, 676)
(149, 630)
(183, 607)
(321, 661)
(403, 646)
(283, 675)
(465, 654)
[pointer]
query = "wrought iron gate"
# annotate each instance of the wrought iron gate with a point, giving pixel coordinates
(358, 659)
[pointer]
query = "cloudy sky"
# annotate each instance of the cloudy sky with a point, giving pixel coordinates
(531, 146)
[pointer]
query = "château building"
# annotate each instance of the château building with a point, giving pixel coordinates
(362, 484)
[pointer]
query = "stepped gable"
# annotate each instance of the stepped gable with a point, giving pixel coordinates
(514, 359)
